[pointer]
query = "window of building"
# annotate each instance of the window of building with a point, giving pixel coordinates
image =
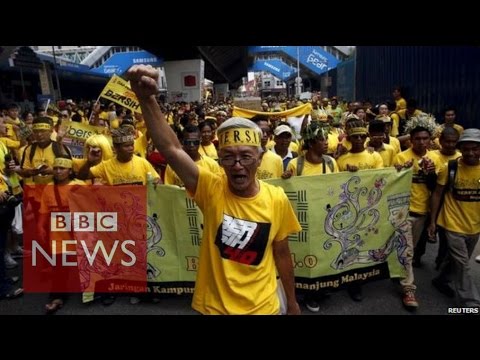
(266, 84)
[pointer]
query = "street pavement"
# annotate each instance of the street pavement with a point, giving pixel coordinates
(381, 298)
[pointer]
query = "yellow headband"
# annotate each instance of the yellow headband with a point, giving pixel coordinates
(41, 126)
(238, 137)
(64, 163)
(123, 139)
(357, 131)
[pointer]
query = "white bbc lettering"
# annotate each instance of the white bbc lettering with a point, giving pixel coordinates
(106, 221)
(60, 221)
(84, 221)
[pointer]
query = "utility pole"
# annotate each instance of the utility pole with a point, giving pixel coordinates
(298, 79)
(56, 75)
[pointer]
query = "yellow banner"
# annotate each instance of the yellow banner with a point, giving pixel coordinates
(296, 111)
(75, 135)
(118, 91)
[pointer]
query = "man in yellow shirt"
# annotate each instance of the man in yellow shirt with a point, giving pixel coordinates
(459, 217)
(243, 244)
(125, 168)
(191, 145)
(418, 158)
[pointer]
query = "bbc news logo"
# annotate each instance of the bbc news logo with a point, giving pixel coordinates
(94, 242)
(91, 256)
(83, 221)
(61, 222)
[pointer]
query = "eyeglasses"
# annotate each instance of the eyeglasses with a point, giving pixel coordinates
(230, 161)
(191, 142)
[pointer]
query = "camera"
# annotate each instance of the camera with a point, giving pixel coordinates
(12, 200)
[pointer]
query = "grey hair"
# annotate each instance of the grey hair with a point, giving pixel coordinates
(238, 122)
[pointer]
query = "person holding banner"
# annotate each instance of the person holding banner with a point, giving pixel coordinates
(54, 199)
(125, 168)
(243, 242)
(99, 146)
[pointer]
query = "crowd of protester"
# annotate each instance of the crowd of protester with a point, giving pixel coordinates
(335, 136)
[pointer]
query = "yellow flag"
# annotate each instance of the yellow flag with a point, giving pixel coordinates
(53, 107)
(118, 91)
(296, 111)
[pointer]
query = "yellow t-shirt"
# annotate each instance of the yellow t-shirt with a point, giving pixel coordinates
(387, 152)
(311, 168)
(395, 124)
(395, 143)
(401, 104)
(270, 167)
(363, 160)
(461, 215)
(292, 147)
(3, 184)
(3, 152)
(114, 172)
(11, 144)
(42, 156)
(50, 204)
(114, 123)
(333, 140)
(171, 178)
(208, 150)
(236, 273)
(419, 195)
(9, 128)
(140, 145)
(441, 159)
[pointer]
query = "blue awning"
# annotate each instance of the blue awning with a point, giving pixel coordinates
(313, 57)
(118, 63)
(64, 66)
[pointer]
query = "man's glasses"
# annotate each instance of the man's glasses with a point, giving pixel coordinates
(230, 161)
(191, 142)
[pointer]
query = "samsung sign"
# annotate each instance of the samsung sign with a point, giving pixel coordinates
(118, 63)
(275, 67)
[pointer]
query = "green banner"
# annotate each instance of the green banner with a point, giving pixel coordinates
(353, 227)
(174, 231)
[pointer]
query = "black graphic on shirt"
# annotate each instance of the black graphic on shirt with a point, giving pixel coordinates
(241, 240)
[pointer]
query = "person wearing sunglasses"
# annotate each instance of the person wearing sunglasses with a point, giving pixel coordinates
(191, 144)
(246, 221)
